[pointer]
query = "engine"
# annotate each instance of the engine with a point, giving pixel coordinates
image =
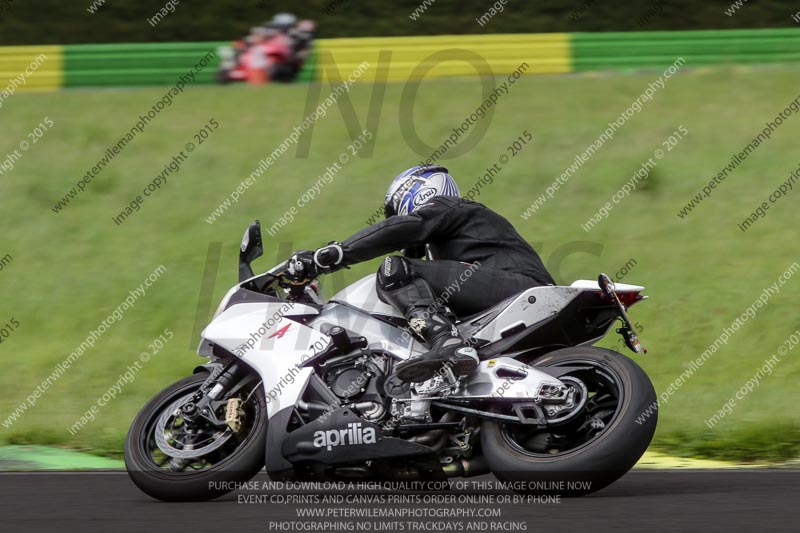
(357, 379)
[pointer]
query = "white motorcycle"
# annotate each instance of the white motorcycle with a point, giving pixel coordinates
(307, 388)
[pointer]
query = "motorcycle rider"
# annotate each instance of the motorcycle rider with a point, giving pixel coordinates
(424, 212)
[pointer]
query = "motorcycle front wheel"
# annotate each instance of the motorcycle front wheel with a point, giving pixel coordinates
(172, 458)
(611, 427)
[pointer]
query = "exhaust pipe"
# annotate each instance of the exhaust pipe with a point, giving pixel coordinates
(475, 466)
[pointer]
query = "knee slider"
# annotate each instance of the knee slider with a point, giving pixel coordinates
(395, 272)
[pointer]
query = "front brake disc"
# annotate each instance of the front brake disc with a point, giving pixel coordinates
(205, 444)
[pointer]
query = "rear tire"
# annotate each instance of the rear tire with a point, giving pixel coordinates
(214, 481)
(599, 461)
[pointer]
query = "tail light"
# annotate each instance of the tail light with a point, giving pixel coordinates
(629, 298)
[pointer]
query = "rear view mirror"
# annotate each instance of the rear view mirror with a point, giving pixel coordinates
(251, 249)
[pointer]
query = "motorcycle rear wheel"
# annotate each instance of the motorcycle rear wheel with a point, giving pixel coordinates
(603, 442)
(208, 477)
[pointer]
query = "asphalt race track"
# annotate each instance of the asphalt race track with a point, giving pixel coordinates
(647, 500)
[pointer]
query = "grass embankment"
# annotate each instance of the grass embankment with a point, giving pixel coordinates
(70, 270)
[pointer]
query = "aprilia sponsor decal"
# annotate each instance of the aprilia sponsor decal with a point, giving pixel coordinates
(354, 434)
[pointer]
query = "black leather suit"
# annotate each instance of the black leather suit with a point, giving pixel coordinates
(460, 235)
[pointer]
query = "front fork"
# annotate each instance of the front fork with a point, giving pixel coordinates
(224, 380)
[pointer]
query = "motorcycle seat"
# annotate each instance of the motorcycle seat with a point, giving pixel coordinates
(493, 310)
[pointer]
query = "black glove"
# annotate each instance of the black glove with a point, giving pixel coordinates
(328, 258)
(415, 252)
(305, 265)
(300, 268)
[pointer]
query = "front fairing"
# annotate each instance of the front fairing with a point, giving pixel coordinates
(269, 338)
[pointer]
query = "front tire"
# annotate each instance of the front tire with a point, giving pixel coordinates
(238, 460)
(570, 459)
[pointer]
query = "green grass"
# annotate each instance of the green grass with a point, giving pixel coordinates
(70, 270)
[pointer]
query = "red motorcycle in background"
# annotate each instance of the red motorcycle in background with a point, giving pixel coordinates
(275, 52)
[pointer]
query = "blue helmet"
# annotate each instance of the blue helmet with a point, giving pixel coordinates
(415, 186)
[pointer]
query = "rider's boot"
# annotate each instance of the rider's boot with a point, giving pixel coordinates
(398, 286)
(447, 349)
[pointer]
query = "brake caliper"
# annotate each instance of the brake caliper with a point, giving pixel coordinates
(234, 414)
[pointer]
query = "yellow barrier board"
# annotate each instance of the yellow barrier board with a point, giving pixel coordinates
(413, 58)
(31, 68)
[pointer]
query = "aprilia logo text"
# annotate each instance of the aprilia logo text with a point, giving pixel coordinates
(354, 434)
